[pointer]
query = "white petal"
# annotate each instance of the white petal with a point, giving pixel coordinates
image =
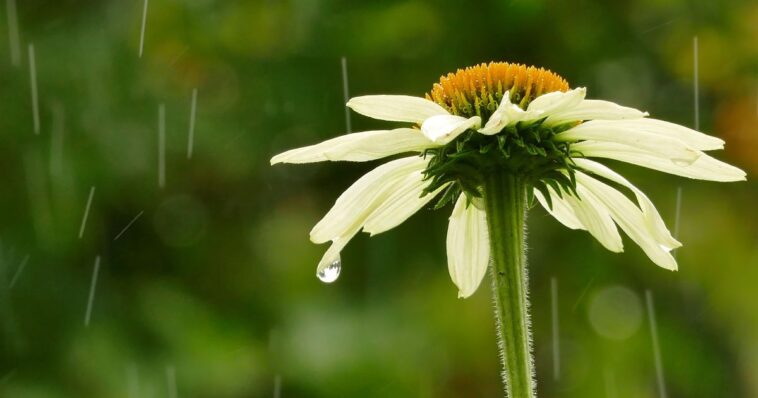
(692, 138)
(630, 219)
(561, 210)
(507, 113)
(595, 217)
(333, 253)
(704, 168)
(594, 109)
(468, 247)
(354, 206)
(557, 101)
(396, 108)
(653, 219)
(586, 213)
(358, 147)
(670, 148)
(402, 203)
(442, 129)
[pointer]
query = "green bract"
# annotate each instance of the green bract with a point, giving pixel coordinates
(526, 149)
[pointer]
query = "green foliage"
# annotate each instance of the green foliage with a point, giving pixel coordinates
(217, 277)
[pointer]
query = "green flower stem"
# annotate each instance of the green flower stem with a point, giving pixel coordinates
(505, 203)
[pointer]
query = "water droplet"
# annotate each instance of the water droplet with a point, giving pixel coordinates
(331, 272)
(683, 162)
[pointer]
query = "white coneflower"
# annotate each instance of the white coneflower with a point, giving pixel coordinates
(489, 138)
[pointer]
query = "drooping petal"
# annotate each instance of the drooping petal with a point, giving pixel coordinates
(402, 203)
(653, 219)
(332, 254)
(692, 138)
(358, 147)
(468, 247)
(595, 217)
(356, 204)
(507, 113)
(442, 129)
(630, 219)
(561, 210)
(594, 109)
(704, 168)
(396, 108)
(556, 102)
(664, 146)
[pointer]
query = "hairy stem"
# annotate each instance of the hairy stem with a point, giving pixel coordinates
(505, 202)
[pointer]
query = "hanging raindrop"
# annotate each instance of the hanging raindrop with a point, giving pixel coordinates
(331, 272)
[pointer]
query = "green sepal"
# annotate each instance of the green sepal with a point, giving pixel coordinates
(545, 193)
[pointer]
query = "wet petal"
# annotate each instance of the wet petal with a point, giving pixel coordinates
(653, 219)
(561, 210)
(557, 101)
(596, 218)
(668, 147)
(592, 110)
(442, 129)
(332, 254)
(358, 147)
(468, 247)
(704, 168)
(396, 108)
(692, 138)
(507, 113)
(356, 204)
(404, 202)
(630, 219)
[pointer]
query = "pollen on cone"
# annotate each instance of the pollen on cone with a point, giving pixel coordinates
(478, 90)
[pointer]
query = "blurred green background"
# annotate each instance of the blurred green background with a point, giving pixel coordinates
(214, 284)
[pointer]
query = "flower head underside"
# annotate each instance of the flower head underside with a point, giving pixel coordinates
(513, 119)
(515, 137)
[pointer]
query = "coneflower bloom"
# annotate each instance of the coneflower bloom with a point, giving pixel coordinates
(491, 138)
(520, 120)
